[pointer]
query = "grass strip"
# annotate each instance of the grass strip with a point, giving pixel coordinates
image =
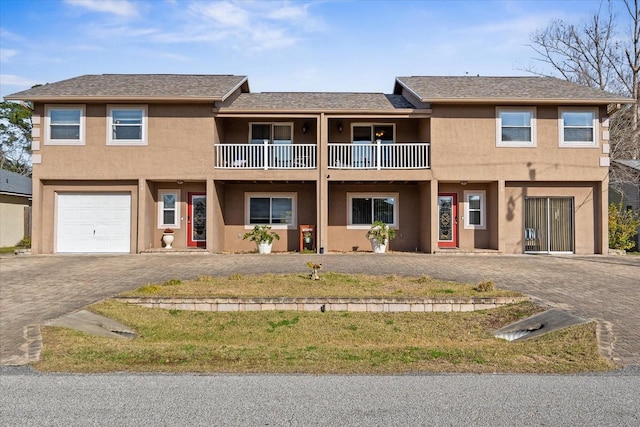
(331, 285)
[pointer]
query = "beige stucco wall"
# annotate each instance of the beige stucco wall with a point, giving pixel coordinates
(180, 146)
(234, 214)
(463, 147)
(585, 209)
(409, 230)
(469, 238)
(12, 219)
(50, 189)
(180, 232)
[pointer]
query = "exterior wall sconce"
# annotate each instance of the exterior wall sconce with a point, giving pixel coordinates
(304, 128)
(180, 182)
(463, 182)
(340, 129)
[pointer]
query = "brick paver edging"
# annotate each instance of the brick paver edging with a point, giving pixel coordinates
(393, 305)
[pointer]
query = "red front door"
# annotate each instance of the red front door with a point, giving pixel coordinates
(447, 220)
(197, 220)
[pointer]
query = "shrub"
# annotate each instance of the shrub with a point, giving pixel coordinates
(623, 226)
(486, 286)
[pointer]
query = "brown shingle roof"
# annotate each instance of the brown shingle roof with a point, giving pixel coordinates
(500, 89)
(136, 87)
(317, 101)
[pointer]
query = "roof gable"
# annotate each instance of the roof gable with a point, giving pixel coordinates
(451, 89)
(137, 87)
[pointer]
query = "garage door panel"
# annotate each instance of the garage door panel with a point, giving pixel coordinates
(93, 223)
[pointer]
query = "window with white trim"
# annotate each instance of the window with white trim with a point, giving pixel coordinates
(64, 125)
(475, 210)
(127, 125)
(168, 208)
(364, 209)
(578, 127)
(275, 209)
(515, 127)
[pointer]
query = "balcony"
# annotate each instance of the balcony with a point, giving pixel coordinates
(379, 156)
(265, 156)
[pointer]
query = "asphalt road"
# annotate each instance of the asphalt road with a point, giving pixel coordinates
(29, 399)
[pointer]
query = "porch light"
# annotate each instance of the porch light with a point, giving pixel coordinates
(340, 127)
(463, 183)
(180, 182)
(304, 128)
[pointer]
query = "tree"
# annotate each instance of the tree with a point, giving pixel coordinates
(15, 137)
(604, 53)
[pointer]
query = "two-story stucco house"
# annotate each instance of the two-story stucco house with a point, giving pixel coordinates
(510, 164)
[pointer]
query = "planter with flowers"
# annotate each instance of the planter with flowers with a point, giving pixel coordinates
(379, 235)
(167, 238)
(263, 236)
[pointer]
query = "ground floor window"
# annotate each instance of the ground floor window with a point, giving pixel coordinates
(168, 208)
(275, 209)
(474, 210)
(364, 209)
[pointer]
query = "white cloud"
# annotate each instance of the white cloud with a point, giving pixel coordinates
(116, 7)
(224, 13)
(6, 54)
(289, 12)
(246, 25)
(13, 80)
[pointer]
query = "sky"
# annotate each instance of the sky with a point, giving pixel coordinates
(301, 46)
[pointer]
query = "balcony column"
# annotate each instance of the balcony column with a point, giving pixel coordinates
(434, 216)
(322, 186)
(213, 217)
(601, 190)
(265, 154)
(501, 214)
(142, 209)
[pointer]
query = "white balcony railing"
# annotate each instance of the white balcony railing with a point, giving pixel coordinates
(265, 156)
(379, 156)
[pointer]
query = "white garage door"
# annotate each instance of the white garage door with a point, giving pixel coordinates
(93, 223)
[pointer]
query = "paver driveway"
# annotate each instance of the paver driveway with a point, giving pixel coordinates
(34, 289)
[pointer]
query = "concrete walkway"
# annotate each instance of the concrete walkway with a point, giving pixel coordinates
(34, 289)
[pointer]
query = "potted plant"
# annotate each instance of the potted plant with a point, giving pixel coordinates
(307, 235)
(167, 238)
(263, 236)
(379, 235)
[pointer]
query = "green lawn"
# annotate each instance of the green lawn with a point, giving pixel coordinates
(315, 342)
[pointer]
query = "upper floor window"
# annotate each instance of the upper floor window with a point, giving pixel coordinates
(364, 209)
(371, 133)
(168, 208)
(474, 210)
(272, 133)
(127, 125)
(516, 127)
(578, 127)
(275, 209)
(65, 124)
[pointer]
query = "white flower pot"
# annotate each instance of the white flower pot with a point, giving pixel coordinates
(167, 239)
(264, 247)
(378, 248)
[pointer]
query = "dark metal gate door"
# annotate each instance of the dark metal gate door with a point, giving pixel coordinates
(548, 224)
